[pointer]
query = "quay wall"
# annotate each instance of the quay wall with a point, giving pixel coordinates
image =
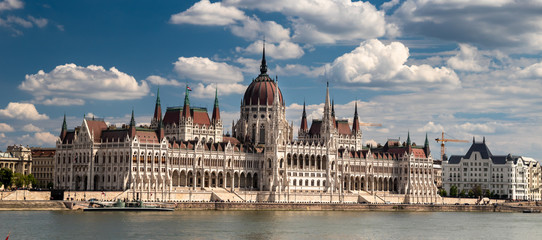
(32, 205)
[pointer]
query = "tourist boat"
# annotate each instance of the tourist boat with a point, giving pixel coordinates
(531, 210)
(138, 206)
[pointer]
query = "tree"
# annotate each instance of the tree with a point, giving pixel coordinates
(477, 191)
(453, 191)
(471, 193)
(463, 193)
(19, 180)
(6, 177)
(30, 180)
(50, 185)
(442, 192)
(488, 194)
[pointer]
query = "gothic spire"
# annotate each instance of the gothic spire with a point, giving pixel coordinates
(304, 126)
(216, 110)
(186, 106)
(157, 118)
(64, 130)
(132, 120)
(426, 146)
(408, 139)
(355, 124)
(263, 65)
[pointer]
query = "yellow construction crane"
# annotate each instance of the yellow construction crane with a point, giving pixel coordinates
(442, 147)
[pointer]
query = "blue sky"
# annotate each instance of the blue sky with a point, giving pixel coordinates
(469, 68)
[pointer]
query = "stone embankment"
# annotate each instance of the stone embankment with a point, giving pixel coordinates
(32, 205)
(348, 207)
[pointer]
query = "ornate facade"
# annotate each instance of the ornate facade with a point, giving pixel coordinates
(186, 150)
(505, 176)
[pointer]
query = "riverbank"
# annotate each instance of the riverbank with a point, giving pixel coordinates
(259, 206)
(22, 205)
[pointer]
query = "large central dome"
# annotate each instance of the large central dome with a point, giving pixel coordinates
(262, 89)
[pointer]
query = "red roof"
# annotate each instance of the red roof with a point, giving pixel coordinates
(43, 152)
(147, 136)
(200, 117)
(315, 127)
(343, 127)
(261, 92)
(96, 127)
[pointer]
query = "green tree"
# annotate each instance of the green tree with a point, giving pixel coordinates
(453, 191)
(30, 180)
(442, 192)
(488, 194)
(477, 191)
(471, 193)
(19, 180)
(6, 177)
(463, 193)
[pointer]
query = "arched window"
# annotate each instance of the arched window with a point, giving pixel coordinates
(262, 134)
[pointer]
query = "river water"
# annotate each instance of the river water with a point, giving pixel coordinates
(268, 225)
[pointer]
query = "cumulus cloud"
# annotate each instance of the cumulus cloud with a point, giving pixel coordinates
(61, 102)
(469, 59)
(11, 4)
(22, 111)
(4, 127)
(208, 91)
(206, 13)
(251, 28)
(207, 71)
(431, 127)
(298, 69)
(475, 22)
(38, 139)
(91, 82)
(157, 80)
(31, 128)
(324, 21)
(376, 65)
(283, 50)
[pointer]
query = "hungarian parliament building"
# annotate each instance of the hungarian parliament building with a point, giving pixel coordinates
(185, 150)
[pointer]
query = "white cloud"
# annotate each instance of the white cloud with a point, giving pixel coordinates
(40, 22)
(476, 127)
(475, 22)
(20, 21)
(61, 102)
(157, 80)
(324, 21)
(252, 28)
(380, 66)
(431, 127)
(22, 111)
(4, 127)
(207, 71)
(38, 139)
(249, 65)
(11, 4)
(469, 59)
(92, 82)
(206, 13)
(298, 69)
(531, 71)
(31, 128)
(284, 50)
(224, 89)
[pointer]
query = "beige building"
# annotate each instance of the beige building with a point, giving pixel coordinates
(17, 158)
(506, 176)
(186, 151)
(43, 165)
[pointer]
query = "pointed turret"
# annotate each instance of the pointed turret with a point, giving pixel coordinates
(426, 146)
(408, 143)
(132, 125)
(333, 113)
(304, 127)
(216, 110)
(327, 105)
(263, 65)
(157, 118)
(64, 130)
(186, 106)
(355, 124)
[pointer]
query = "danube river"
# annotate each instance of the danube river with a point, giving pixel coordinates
(268, 225)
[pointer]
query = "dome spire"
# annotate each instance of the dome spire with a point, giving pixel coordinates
(263, 65)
